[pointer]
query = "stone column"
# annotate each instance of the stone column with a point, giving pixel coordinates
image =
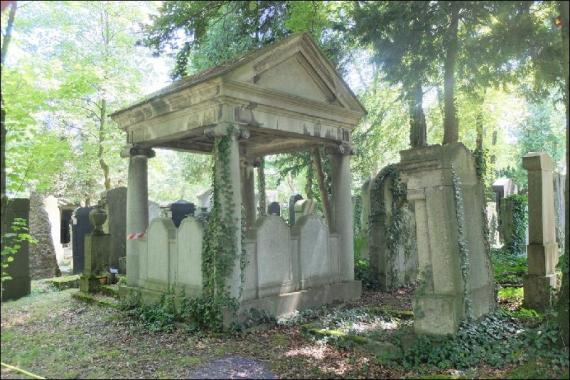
(235, 134)
(454, 267)
(342, 210)
(137, 205)
(542, 248)
(248, 192)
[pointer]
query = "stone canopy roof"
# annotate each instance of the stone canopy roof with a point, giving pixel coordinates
(287, 95)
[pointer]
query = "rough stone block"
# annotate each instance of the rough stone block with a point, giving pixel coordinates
(542, 259)
(437, 314)
(538, 291)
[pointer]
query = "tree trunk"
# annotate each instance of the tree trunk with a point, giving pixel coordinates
(418, 128)
(564, 306)
(479, 128)
(3, 131)
(322, 187)
(261, 187)
(309, 178)
(450, 123)
(102, 163)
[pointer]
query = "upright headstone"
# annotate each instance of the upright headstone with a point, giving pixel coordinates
(274, 209)
(79, 228)
(542, 249)
(97, 248)
(559, 210)
(391, 233)
(304, 207)
(456, 280)
(180, 210)
(43, 261)
(19, 269)
(503, 187)
(115, 201)
(292, 200)
(364, 219)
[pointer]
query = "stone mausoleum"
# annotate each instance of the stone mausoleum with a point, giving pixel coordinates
(286, 97)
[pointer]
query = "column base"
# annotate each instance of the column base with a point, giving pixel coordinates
(538, 291)
(437, 314)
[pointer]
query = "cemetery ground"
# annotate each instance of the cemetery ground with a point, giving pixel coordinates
(52, 334)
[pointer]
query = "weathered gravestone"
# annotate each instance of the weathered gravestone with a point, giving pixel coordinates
(456, 280)
(292, 200)
(97, 248)
(43, 261)
(391, 233)
(542, 249)
(19, 269)
(115, 201)
(503, 188)
(304, 207)
(274, 209)
(559, 210)
(79, 228)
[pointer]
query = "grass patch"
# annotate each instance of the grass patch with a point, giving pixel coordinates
(510, 294)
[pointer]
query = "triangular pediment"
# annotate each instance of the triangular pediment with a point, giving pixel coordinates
(297, 67)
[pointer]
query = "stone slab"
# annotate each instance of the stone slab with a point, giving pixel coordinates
(538, 291)
(231, 367)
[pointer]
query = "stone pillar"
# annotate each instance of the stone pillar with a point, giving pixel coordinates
(342, 210)
(137, 205)
(364, 219)
(454, 265)
(97, 250)
(248, 192)
(234, 180)
(542, 249)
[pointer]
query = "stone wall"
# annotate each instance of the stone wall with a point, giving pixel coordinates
(391, 231)
(43, 262)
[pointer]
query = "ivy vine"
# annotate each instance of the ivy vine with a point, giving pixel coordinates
(463, 250)
(396, 230)
(518, 202)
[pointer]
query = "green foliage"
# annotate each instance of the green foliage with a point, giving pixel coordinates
(496, 340)
(509, 269)
(363, 272)
(12, 242)
(520, 222)
(510, 294)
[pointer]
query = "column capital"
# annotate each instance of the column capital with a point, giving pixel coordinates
(345, 149)
(136, 150)
(227, 129)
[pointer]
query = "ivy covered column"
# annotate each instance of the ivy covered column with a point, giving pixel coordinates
(137, 206)
(226, 271)
(342, 209)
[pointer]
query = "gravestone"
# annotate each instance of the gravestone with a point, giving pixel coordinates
(274, 209)
(542, 249)
(97, 248)
(115, 201)
(503, 187)
(364, 219)
(304, 207)
(19, 269)
(456, 279)
(153, 211)
(43, 261)
(292, 200)
(80, 227)
(493, 224)
(559, 210)
(180, 210)
(392, 232)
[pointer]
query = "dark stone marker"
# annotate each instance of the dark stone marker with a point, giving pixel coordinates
(294, 198)
(65, 236)
(116, 226)
(80, 227)
(19, 269)
(274, 209)
(232, 367)
(180, 210)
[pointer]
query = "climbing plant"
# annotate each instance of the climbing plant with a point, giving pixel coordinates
(12, 242)
(463, 250)
(396, 229)
(516, 246)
